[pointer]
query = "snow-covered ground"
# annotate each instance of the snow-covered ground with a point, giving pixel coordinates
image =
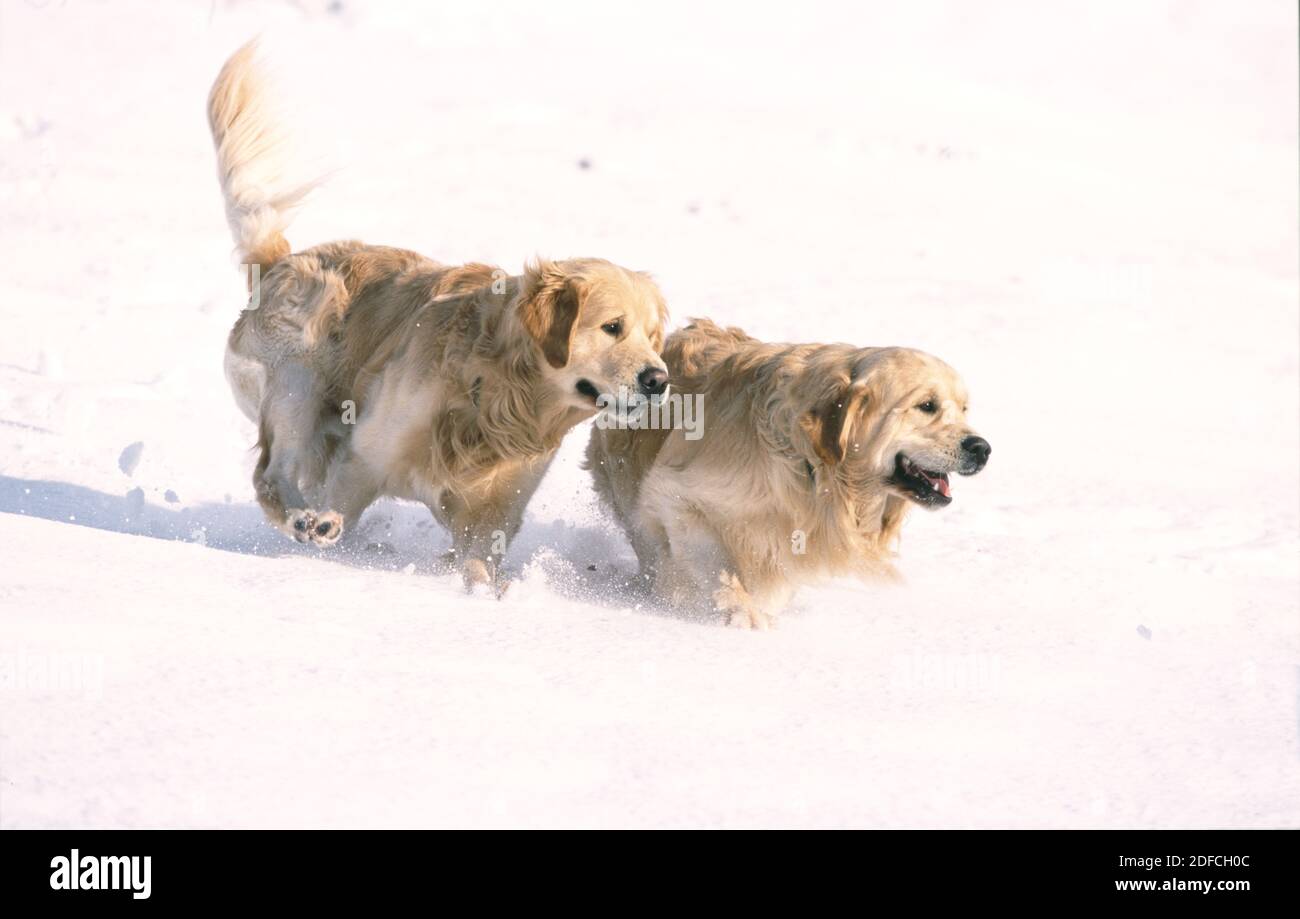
(1091, 212)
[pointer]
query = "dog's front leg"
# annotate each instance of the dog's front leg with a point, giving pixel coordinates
(745, 607)
(480, 547)
(350, 487)
(483, 526)
(700, 554)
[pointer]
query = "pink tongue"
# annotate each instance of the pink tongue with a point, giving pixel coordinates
(942, 485)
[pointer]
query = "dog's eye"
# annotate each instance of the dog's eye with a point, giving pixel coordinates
(614, 327)
(929, 406)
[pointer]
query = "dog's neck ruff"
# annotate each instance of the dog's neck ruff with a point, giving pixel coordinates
(508, 418)
(855, 533)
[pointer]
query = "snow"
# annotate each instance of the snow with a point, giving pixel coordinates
(1092, 216)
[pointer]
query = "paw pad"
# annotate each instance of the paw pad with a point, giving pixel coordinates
(306, 525)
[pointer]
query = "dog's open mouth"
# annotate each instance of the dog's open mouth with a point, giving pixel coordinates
(929, 489)
(586, 388)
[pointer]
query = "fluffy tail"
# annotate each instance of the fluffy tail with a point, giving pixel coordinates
(250, 152)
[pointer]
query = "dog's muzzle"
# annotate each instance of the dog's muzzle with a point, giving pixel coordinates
(652, 381)
(974, 454)
(925, 487)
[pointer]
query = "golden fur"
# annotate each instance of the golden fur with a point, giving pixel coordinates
(376, 371)
(793, 479)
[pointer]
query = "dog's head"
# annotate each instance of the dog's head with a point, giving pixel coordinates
(893, 417)
(599, 329)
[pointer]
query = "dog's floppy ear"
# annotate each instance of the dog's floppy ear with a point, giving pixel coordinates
(548, 308)
(828, 423)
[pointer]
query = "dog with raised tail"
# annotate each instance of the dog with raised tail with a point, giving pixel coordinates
(373, 371)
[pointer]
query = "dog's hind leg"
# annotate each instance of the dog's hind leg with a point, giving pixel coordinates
(288, 433)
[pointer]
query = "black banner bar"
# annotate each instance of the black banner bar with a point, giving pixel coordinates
(1218, 869)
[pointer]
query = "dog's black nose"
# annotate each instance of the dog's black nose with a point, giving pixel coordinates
(978, 448)
(652, 381)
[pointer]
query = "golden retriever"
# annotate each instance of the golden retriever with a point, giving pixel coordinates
(374, 371)
(807, 462)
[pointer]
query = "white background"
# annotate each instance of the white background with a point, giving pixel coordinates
(1090, 210)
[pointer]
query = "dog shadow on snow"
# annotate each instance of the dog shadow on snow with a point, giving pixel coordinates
(572, 559)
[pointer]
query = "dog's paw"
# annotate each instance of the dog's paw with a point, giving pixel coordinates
(735, 604)
(476, 573)
(731, 595)
(751, 618)
(484, 577)
(326, 528)
(298, 523)
(306, 525)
